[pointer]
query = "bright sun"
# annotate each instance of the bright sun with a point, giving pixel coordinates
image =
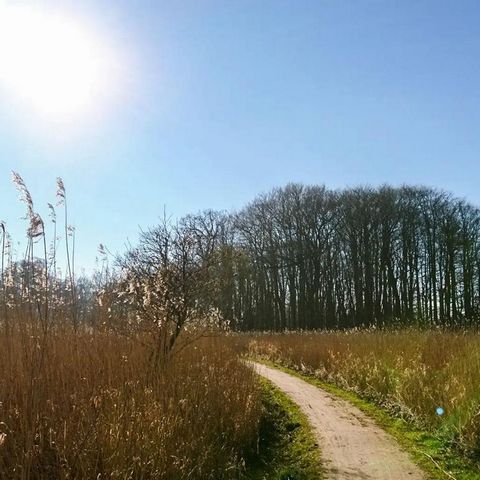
(50, 62)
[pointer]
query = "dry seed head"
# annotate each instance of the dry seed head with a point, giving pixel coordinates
(60, 191)
(25, 196)
(36, 228)
(52, 214)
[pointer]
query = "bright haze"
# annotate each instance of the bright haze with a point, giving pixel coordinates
(204, 104)
(50, 62)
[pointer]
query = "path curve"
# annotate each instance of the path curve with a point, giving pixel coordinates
(352, 446)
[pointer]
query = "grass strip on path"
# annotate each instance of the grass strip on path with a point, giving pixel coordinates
(287, 448)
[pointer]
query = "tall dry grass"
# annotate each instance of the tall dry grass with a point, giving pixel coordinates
(85, 409)
(411, 373)
(87, 392)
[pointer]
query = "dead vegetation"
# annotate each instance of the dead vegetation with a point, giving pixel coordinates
(432, 379)
(115, 377)
(83, 406)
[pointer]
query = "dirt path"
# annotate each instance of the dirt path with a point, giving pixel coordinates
(352, 446)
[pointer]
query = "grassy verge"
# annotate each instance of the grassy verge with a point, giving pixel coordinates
(431, 453)
(287, 449)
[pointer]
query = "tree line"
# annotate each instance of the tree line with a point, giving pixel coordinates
(306, 257)
(298, 257)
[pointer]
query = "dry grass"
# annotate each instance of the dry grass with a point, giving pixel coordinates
(411, 373)
(82, 406)
(95, 390)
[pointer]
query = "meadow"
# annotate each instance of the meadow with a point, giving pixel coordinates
(139, 372)
(308, 331)
(429, 378)
(84, 406)
(93, 387)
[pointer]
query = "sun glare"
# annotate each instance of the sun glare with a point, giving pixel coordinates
(50, 62)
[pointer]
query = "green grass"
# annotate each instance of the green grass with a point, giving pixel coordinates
(287, 448)
(430, 453)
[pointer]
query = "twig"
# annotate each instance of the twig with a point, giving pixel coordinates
(449, 475)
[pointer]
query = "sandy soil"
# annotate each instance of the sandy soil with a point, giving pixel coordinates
(352, 446)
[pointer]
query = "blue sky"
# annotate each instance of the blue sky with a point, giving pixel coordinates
(221, 100)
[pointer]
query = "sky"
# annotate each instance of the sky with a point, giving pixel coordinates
(212, 102)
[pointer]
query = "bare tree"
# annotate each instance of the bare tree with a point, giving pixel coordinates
(167, 287)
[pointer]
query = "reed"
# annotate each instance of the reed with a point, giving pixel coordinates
(79, 398)
(412, 373)
(88, 410)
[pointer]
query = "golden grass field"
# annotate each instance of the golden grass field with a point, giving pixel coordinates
(83, 406)
(87, 405)
(411, 373)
